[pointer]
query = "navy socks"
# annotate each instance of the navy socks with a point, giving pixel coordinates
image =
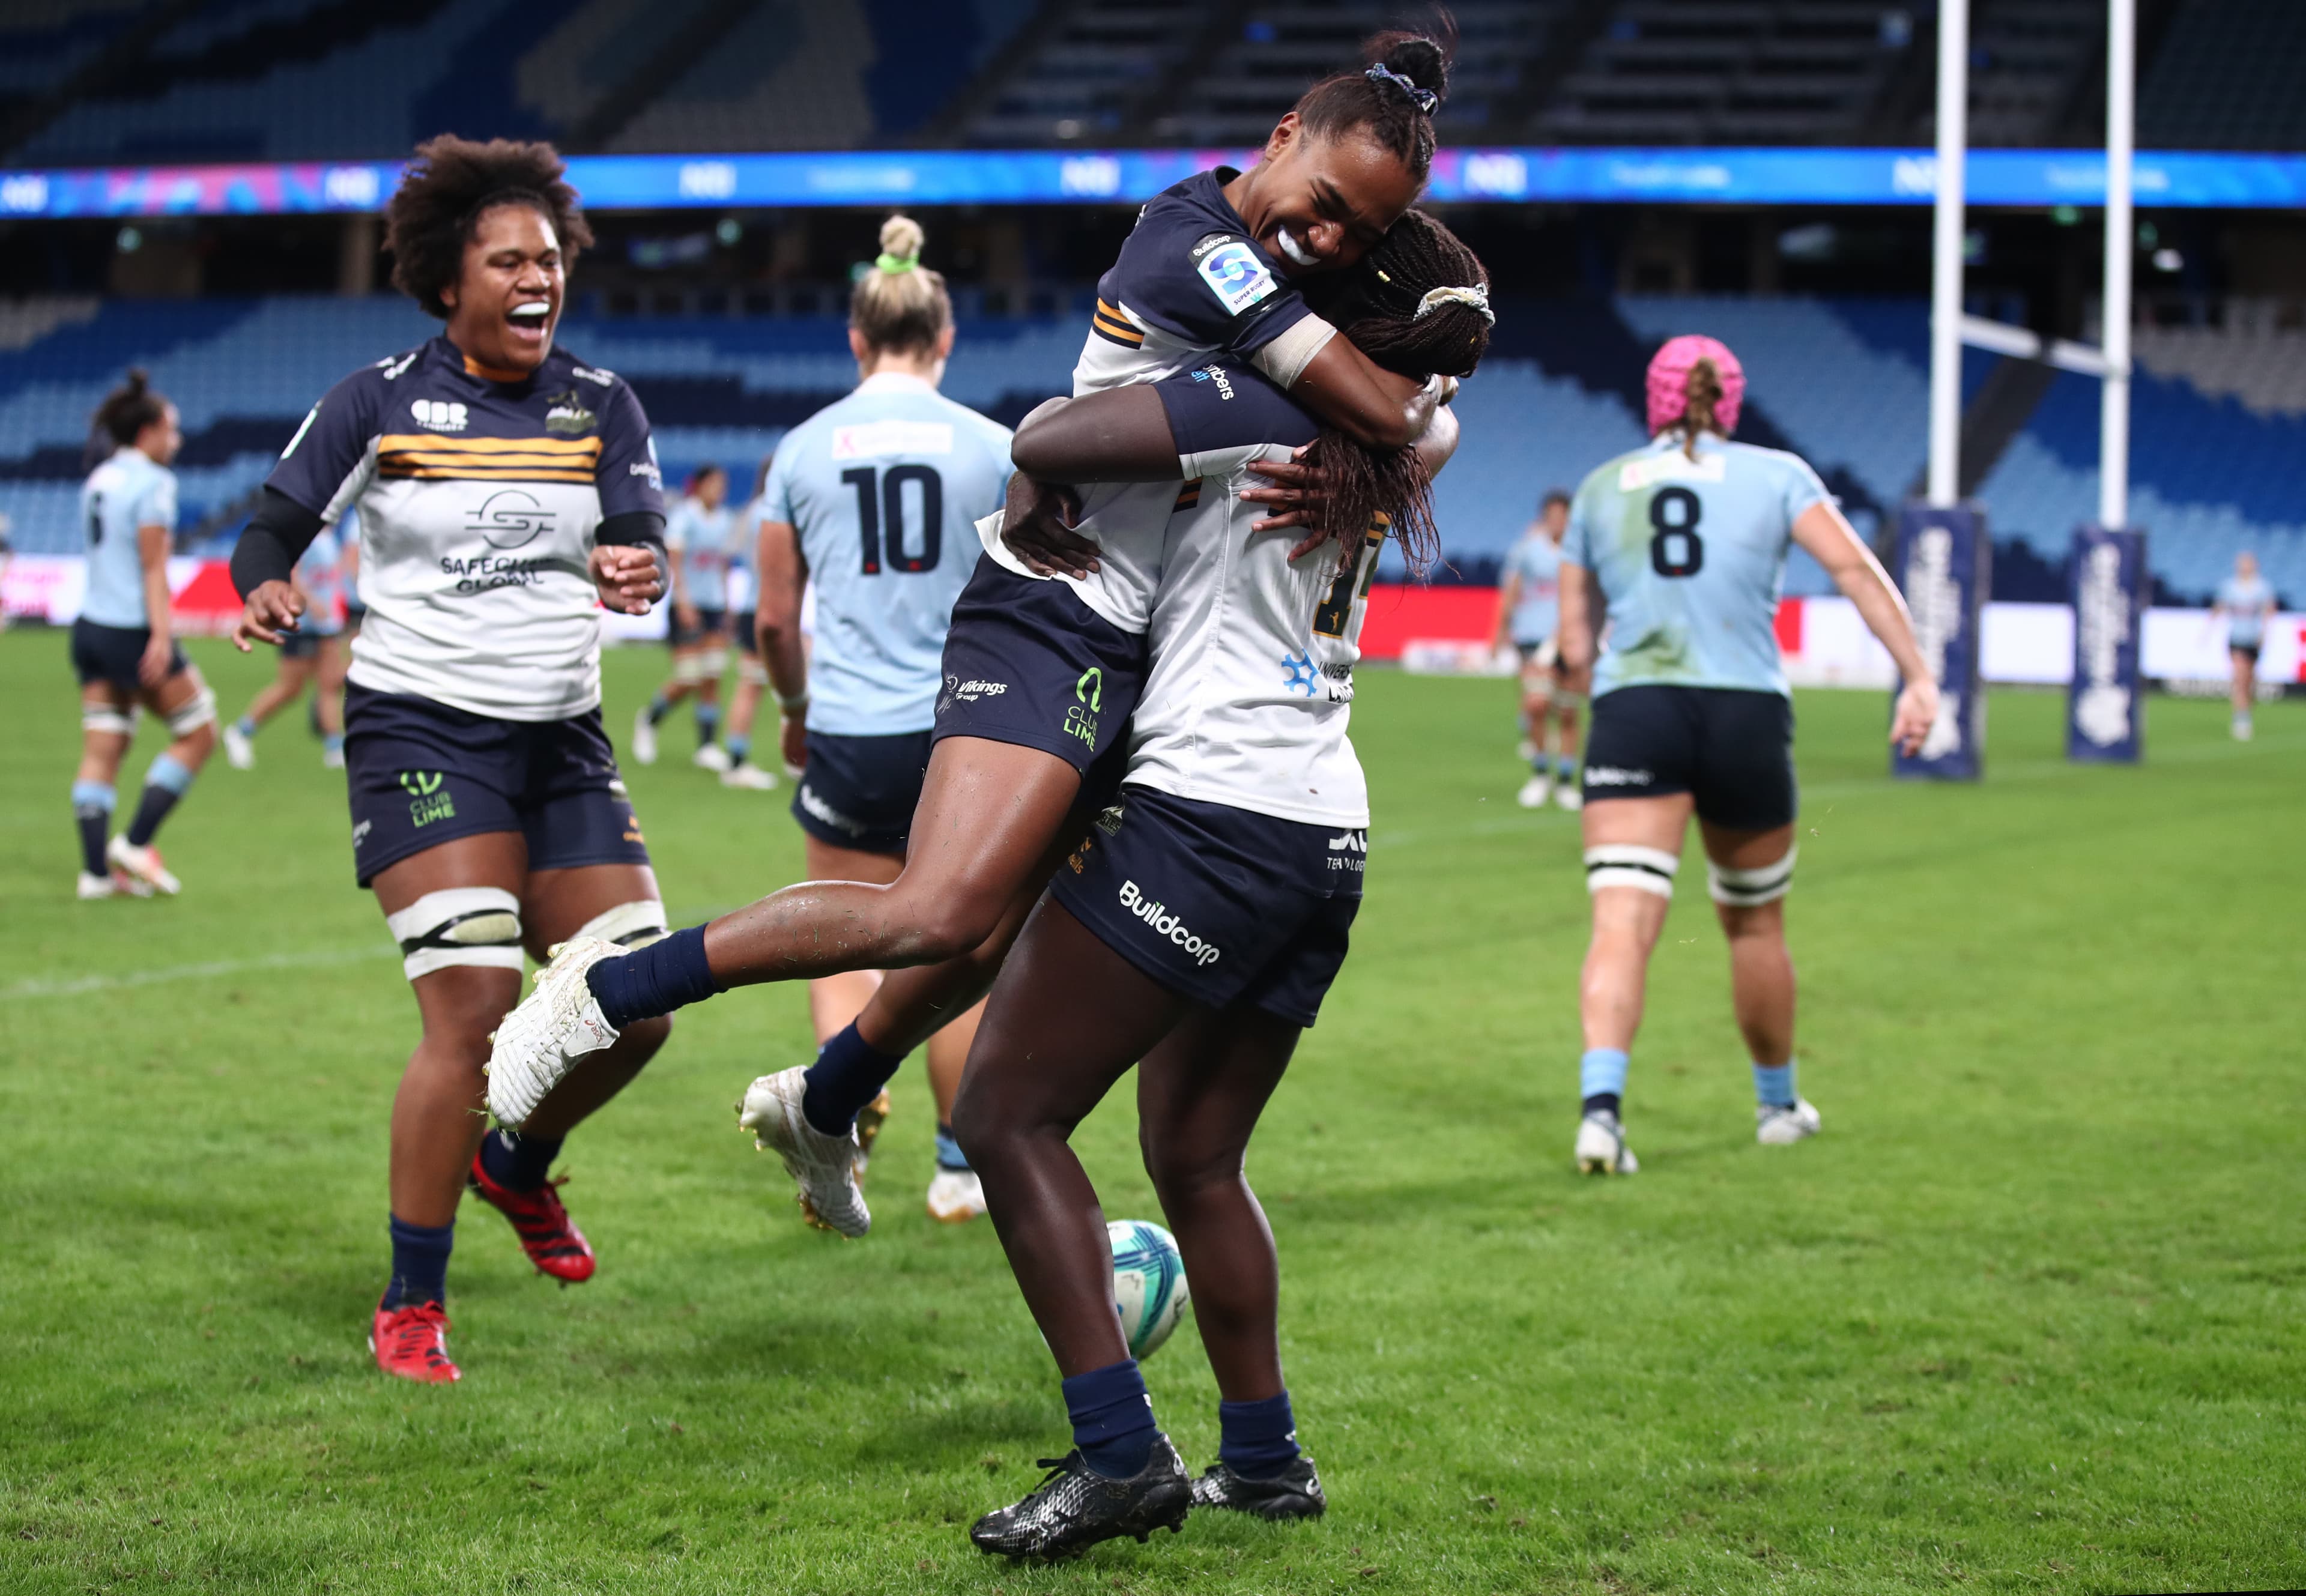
(518, 1163)
(653, 980)
(420, 1263)
(708, 724)
(848, 1073)
(1112, 1419)
(1257, 1439)
(167, 781)
(92, 803)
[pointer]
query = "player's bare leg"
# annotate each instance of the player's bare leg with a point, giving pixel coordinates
(1761, 969)
(184, 704)
(1632, 846)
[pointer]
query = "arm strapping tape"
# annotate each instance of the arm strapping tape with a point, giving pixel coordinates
(1285, 358)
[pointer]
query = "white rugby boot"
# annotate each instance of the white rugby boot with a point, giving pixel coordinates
(956, 1197)
(143, 864)
(751, 777)
(1778, 1126)
(643, 738)
(91, 887)
(823, 1167)
(332, 759)
(1601, 1147)
(239, 747)
(1535, 793)
(1568, 796)
(714, 757)
(533, 1048)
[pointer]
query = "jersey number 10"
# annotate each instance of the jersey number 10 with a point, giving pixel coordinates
(881, 516)
(1675, 548)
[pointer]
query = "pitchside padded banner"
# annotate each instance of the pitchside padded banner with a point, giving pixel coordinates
(1944, 561)
(2105, 713)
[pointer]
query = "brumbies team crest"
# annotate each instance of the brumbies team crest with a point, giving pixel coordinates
(1233, 272)
(566, 413)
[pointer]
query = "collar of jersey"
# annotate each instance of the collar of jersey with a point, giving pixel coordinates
(474, 368)
(897, 381)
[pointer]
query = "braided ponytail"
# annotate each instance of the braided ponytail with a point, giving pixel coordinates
(1699, 415)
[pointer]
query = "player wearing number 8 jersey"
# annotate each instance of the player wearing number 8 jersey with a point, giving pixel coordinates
(873, 500)
(1681, 545)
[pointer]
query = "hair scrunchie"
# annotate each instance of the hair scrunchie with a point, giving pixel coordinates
(897, 263)
(1426, 99)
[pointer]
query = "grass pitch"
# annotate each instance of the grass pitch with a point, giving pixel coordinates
(2027, 1316)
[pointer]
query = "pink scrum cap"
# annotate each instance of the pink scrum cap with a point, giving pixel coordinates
(1668, 382)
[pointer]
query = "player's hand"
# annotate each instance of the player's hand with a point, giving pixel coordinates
(1300, 496)
(1037, 524)
(627, 577)
(268, 615)
(792, 740)
(1916, 713)
(152, 666)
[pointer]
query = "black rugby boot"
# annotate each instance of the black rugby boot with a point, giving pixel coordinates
(1076, 1507)
(1296, 1492)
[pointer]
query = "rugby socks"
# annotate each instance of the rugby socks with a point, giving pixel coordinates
(659, 707)
(168, 779)
(1565, 768)
(708, 724)
(1257, 1439)
(518, 1163)
(1112, 1419)
(1602, 1079)
(92, 805)
(948, 1155)
(740, 748)
(420, 1263)
(1773, 1086)
(848, 1073)
(245, 726)
(653, 980)
(332, 742)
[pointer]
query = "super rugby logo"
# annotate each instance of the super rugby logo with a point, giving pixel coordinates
(1233, 272)
(1154, 913)
(507, 520)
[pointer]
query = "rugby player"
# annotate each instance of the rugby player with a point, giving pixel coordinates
(1529, 613)
(504, 489)
(312, 654)
(123, 648)
(875, 499)
(1043, 675)
(744, 630)
(1681, 546)
(2247, 603)
(697, 537)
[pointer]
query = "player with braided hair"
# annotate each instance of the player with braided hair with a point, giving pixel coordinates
(1681, 546)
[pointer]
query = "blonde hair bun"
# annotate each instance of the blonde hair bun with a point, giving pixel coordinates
(900, 239)
(899, 305)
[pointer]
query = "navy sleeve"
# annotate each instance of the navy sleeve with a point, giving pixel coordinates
(629, 478)
(1189, 271)
(332, 444)
(1219, 407)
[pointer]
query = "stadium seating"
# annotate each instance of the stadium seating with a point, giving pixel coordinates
(2225, 78)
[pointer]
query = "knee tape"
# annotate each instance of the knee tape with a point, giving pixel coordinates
(193, 715)
(477, 925)
(103, 717)
(1624, 864)
(752, 672)
(1750, 889)
(712, 664)
(633, 924)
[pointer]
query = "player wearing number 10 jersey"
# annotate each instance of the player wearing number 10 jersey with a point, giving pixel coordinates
(1682, 544)
(873, 500)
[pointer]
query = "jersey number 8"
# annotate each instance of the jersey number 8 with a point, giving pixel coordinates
(1675, 548)
(881, 516)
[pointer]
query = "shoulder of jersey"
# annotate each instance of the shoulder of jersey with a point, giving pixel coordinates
(563, 363)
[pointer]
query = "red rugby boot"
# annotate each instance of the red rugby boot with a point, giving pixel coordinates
(413, 1343)
(547, 1234)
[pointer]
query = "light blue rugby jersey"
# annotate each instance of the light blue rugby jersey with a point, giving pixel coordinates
(1690, 555)
(125, 492)
(2246, 603)
(884, 488)
(702, 540)
(1537, 610)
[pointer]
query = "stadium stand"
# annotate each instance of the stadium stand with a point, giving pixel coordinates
(2225, 77)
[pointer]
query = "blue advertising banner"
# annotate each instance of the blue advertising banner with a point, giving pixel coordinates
(2106, 712)
(1944, 564)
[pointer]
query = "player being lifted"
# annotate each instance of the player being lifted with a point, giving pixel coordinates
(505, 489)
(697, 537)
(1212, 272)
(874, 501)
(123, 650)
(1681, 546)
(1529, 615)
(312, 655)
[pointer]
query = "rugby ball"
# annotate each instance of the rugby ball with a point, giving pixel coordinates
(1148, 1283)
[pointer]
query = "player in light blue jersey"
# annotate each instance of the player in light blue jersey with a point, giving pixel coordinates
(874, 501)
(697, 536)
(2247, 603)
(1529, 617)
(752, 676)
(1679, 548)
(312, 655)
(124, 651)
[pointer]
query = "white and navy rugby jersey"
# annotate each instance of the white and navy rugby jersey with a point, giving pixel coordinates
(127, 492)
(1691, 556)
(704, 543)
(883, 487)
(1251, 681)
(478, 503)
(1190, 286)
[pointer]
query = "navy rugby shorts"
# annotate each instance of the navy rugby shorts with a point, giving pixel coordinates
(421, 774)
(112, 654)
(743, 633)
(1730, 748)
(860, 791)
(1027, 663)
(708, 623)
(1217, 904)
